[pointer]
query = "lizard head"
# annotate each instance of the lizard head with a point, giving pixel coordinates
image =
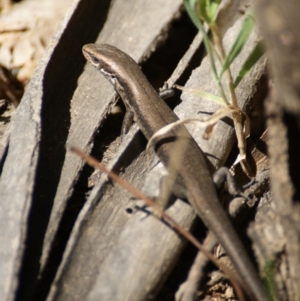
(110, 61)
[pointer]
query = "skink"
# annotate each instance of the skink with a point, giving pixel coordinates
(151, 114)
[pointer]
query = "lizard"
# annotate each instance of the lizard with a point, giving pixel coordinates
(151, 113)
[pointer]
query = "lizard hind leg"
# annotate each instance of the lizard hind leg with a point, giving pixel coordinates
(223, 174)
(170, 189)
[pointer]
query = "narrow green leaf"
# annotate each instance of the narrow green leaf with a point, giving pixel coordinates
(239, 42)
(269, 281)
(190, 6)
(207, 10)
(203, 94)
(209, 96)
(252, 59)
(202, 11)
(214, 5)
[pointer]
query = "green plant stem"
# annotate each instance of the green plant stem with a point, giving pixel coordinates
(237, 119)
(219, 46)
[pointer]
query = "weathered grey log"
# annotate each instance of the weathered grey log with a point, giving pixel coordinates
(101, 265)
(36, 148)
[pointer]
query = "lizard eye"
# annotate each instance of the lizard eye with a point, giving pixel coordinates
(94, 60)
